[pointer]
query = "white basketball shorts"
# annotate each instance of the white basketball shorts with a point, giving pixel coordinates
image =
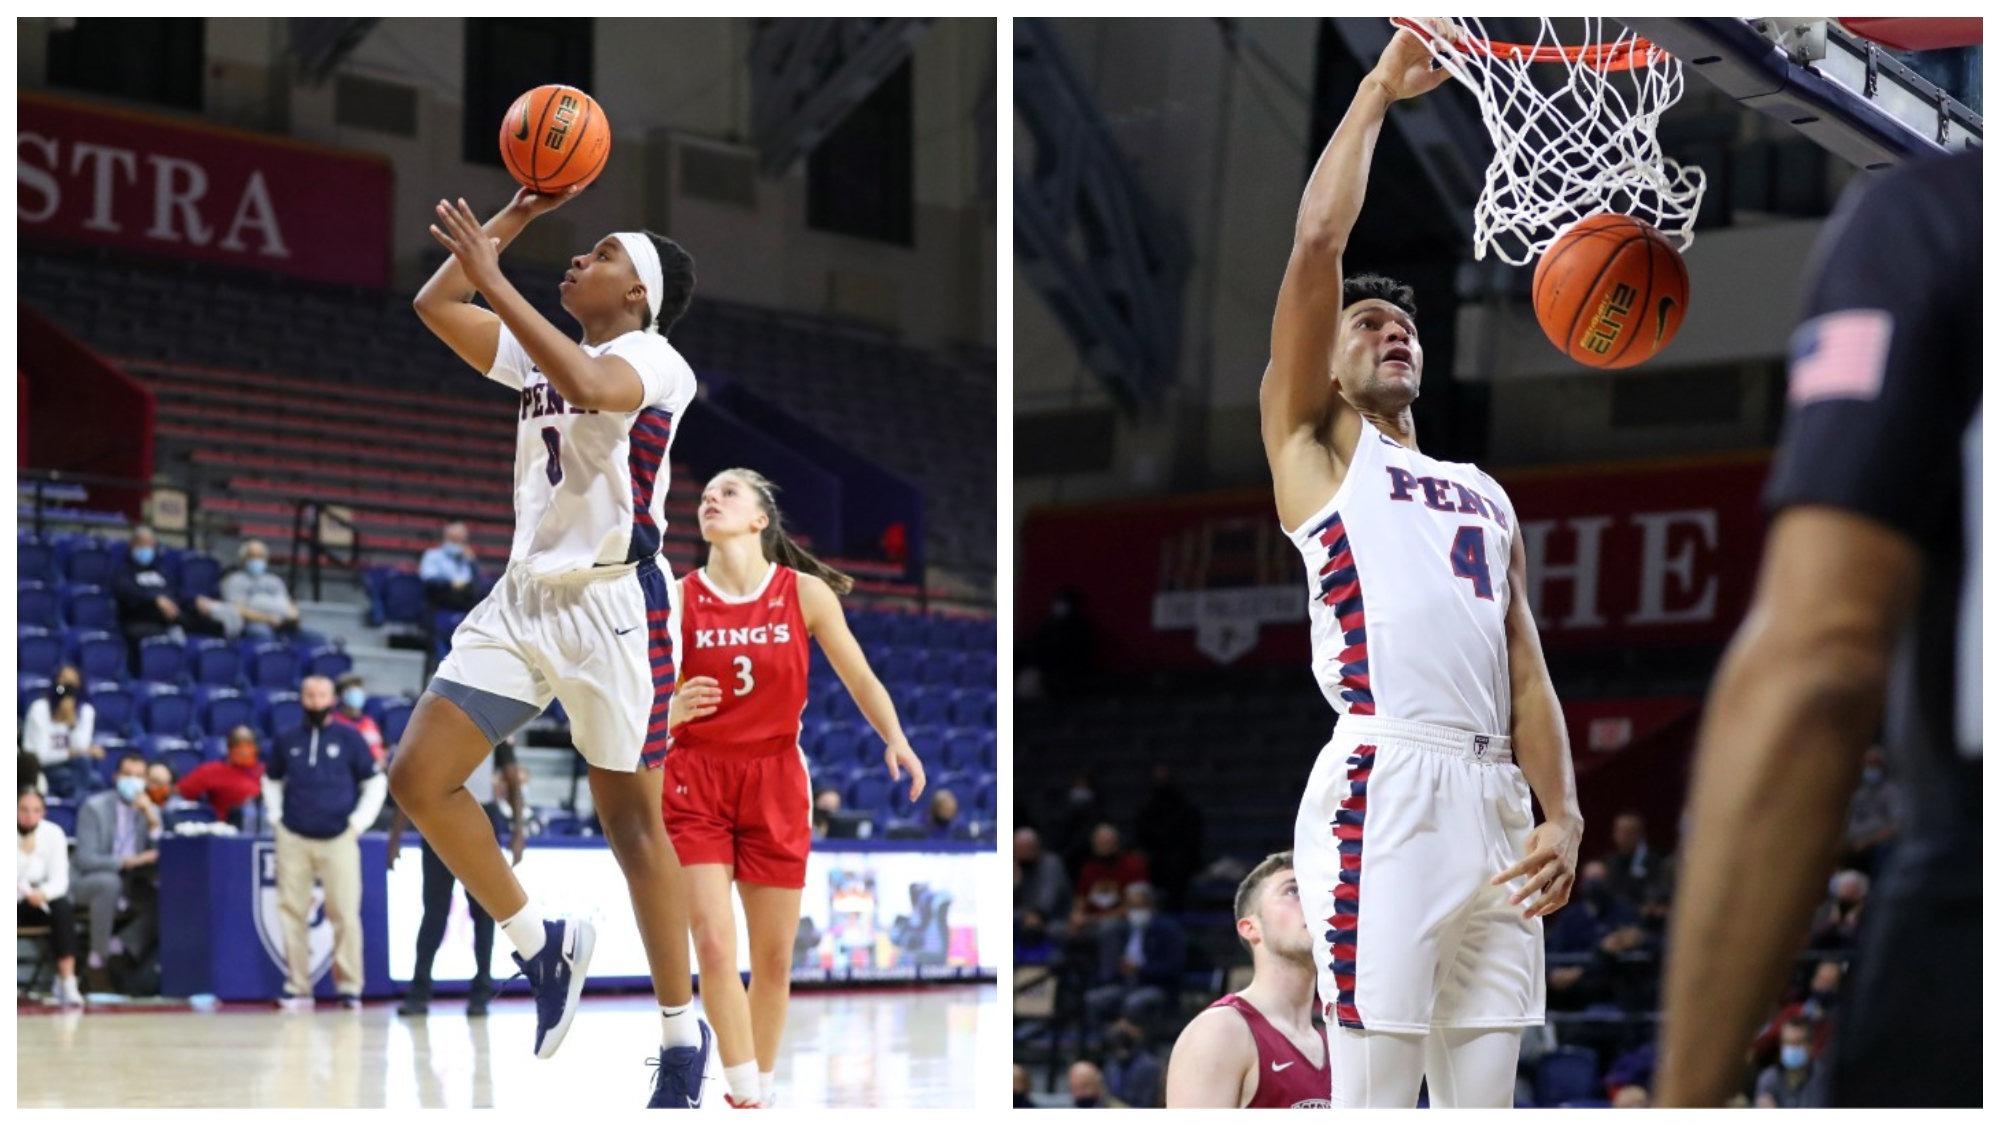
(1401, 831)
(600, 640)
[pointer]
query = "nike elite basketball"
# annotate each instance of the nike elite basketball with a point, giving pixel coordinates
(1611, 291)
(555, 138)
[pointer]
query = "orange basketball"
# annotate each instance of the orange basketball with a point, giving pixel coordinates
(1610, 291)
(555, 138)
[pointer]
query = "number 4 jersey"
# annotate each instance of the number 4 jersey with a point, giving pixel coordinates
(755, 648)
(590, 486)
(1406, 568)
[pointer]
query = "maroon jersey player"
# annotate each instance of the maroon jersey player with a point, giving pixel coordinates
(737, 797)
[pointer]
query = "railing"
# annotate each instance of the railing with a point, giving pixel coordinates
(41, 481)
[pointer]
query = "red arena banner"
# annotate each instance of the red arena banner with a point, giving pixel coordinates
(1618, 556)
(115, 177)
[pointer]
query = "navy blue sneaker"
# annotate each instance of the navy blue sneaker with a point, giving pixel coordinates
(682, 1070)
(556, 974)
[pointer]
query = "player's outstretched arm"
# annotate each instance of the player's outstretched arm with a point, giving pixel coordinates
(1790, 714)
(1297, 399)
(445, 305)
(828, 626)
(1214, 1064)
(1541, 749)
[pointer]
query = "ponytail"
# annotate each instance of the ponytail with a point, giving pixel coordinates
(779, 547)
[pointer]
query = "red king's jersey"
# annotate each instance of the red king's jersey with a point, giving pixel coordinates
(755, 648)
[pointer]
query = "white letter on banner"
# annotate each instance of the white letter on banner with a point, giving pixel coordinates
(101, 188)
(1655, 567)
(166, 200)
(30, 178)
(255, 212)
(1581, 574)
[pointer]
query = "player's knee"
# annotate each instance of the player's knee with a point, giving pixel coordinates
(713, 943)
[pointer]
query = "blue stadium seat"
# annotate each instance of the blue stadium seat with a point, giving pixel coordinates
(215, 661)
(106, 773)
(905, 629)
(89, 607)
(396, 717)
(868, 792)
(841, 745)
(978, 670)
(986, 798)
(200, 575)
(402, 597)
(280, 711)
(34, 558)
(37, 650)
(29, 687)
(156, 746)
(1566, 1074)
(960, 751)
(89, 562)
(892, 664)
(329, 662)
(36, 603)
(64, 814)
(167, 712)
(162, 659)
(273, 665)
(973, 707)
(931, 707)
(226, 709)
(839, 706)
(97, 654)
(113, 706)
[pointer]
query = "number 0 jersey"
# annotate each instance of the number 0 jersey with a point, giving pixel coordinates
(756, 649)
(590, 487)
(1406, 568)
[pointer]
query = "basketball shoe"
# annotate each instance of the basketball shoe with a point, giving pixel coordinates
(556, 974)
(682, 1073)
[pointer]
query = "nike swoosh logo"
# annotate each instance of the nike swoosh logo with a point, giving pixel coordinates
(523, 134)
(1276, 1067)
(1660, 327)
(622, 632)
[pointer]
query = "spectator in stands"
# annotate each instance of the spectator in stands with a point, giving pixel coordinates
(1783, 1085)
(41, 890)
(1062, 647)
(942, 817)
(160, 789)
(1598, 926)
(1169, 835)
(353, 697)
(1874, 816)
(1082, 813)
(449, 571)
(258, 596)
(1022, 1098)
(1815, 1007)
(1141, 958)
(1041, 891)
(322, 789)
(229, 784)
(1630, 867)
(1086, 1087)
(1133, 1071)
(1837, 926)
(28, 772)
(1103, 882)
(147, 608)
(117, 870)
(1631, 1097)
(61, 725)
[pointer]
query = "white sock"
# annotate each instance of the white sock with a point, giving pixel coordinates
(525, 931)
(767, 1088)
(679, 1027)
(742, 1079)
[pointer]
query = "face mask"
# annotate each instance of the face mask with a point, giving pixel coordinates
(1141, 918)
(143, 556)
(455, 550)
(1793, 1057)
(1086, 1103)
(317, 718)
(254, 567)
(63, 690)
(159, 793)
(243, 754)
(1871, 776)
(129, 788)
(354, 698)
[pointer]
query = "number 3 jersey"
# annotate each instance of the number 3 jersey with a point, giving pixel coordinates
(1406, 568)
(590, 487)
(756, 650)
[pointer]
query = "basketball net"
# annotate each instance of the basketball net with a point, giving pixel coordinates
(1563, 154)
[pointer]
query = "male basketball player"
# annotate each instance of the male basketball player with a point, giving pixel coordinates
(1258, 1048)
(584, 612)
(1869, 594)
(1418, 809)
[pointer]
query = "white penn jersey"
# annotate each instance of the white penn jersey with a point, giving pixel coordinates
(590, 487)
(1407, 572)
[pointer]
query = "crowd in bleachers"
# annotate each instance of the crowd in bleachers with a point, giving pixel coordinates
(1117, 947)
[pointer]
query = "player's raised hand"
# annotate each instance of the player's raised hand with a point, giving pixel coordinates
(531, 204)
(1405, 69)
(478, 253)
(1549, 867)
(694, 699)
(900, 757)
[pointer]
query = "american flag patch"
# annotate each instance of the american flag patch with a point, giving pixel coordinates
(1840, 355)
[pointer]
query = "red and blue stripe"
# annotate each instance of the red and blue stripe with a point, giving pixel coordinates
(1343, 933)
(1340, 588)
(651, 433)
(660, 653)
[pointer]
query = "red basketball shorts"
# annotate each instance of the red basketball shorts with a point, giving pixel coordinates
(746, 806)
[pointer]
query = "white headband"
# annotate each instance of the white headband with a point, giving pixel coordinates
(646, 260)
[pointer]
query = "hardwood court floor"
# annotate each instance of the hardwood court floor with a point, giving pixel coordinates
(913, 1047)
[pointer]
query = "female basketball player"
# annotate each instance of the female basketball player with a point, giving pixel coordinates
(738, 803)
(584, 611)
